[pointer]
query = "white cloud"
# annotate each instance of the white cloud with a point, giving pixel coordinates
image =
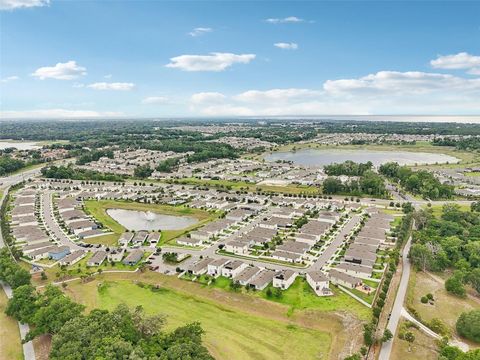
(212, 62)
(275, 95)
(115, 86)
(155, 100)
(461, 60)
(207, 98)
(108, 76)
(286, 46)
(384, 92)
(9, 78)
(474, 71)
(200, 31)
(289, 19)
(61, 71)
(56, 114)
(395, 83)
(19, 4)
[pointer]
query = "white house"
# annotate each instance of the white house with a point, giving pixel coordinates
(215, 267)
(284, 279)
(318, 282)
(233, 268)
(237, 247)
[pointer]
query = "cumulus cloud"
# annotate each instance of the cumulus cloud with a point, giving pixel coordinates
(213, 62)
(198, 31)
(286, 46)
(384, 92)
(276, 95)
(61, 71)
(9, 79)
(395, 82)
(56, 114)
(285, 20)
(461, 60)
(151, 100)
(19, 4)
(115, 86)
(207, 98)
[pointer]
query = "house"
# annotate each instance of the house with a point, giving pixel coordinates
(215, 267)
(186, 241)
(133, 258)
(139, 238)
(237, 247)
(294, 247)
(262, 279)
(153, 238)
(115, 254)
(97, 258)
(359, 256)
(238, 215)
(32, 247)
(284, 279)
(318, 282)
(42, 253)
(59, 252)
(200, 267)
(81, 226)
(286, 256)
(200, 235)
(125, 238)
(344, 279)
(73, 258)
(358, 270)
(233, 268)
(246, 274)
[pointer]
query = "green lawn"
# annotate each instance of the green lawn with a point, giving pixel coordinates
(230, 334)
(10, 343)
(241, 185)
(98, 209)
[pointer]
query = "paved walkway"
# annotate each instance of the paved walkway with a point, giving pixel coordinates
(392, 325)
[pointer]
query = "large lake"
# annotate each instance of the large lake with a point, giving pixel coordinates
(319, 157)
(20, 145)
(140, 220)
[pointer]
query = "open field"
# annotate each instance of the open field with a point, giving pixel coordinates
(244, 186)
(98, 209)
(446, 307)
(423, 348)
(10, 343)
(229, 334)
(300, 296)
(437, 209)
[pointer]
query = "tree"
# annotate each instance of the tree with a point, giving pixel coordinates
(142, 171)
(474, 279)
(235, 286)
(468, 325)
(455, 285)
(420, 256)
(410, 337)
(23, 305)
(387, 335)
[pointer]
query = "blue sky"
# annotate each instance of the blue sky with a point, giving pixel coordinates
(200, 58)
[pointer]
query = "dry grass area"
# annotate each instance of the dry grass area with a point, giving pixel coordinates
(42, 345)
(316, 334)
(423, 348)
(446, 307)
(10, 344)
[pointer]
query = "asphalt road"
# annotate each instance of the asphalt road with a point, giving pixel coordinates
(392, 325)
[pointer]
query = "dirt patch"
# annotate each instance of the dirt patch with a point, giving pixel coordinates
(42, 346)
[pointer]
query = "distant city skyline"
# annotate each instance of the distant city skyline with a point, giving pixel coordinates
(107, 59)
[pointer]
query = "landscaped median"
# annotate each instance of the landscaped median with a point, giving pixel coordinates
(98, 209)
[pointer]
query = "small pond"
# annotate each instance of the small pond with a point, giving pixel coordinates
(148, 220)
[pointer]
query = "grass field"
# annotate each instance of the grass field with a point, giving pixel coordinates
(244, 186)
(423, 348)
(437, 209)
(230, 334)
(300, 296)
(10, 344)
(446, 307)
(98, 209)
